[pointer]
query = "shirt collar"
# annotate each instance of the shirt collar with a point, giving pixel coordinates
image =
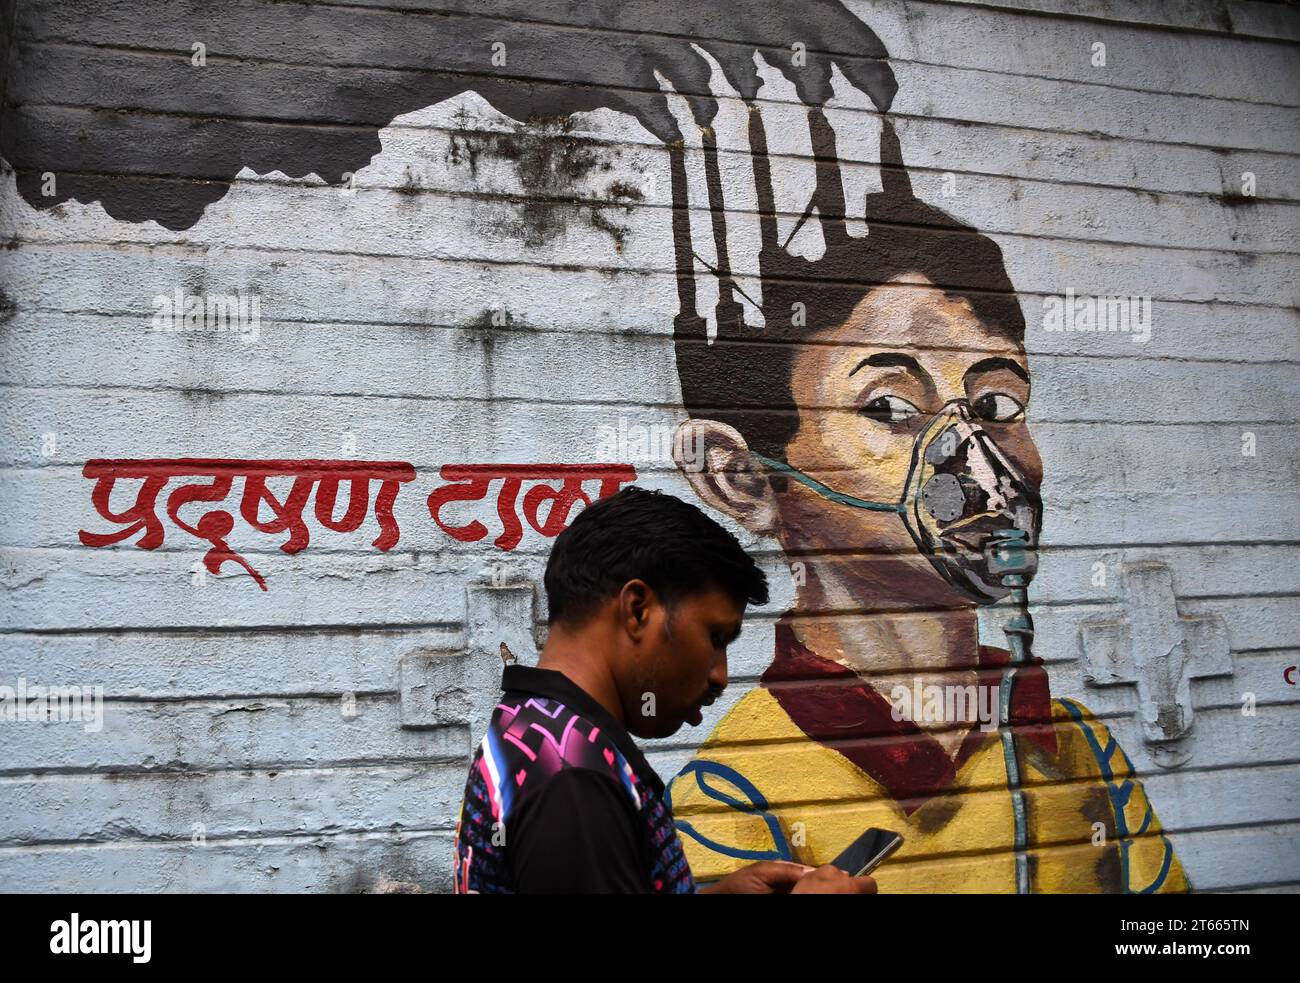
(826, 703)
(555, 685)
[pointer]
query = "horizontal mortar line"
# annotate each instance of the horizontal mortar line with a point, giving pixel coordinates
(758, 620)
(273, 770)
(934, 859)
(293, 629)
(279, 839)
(759, 553)
(1109, 718)
(658, 339)
(201, 701)
(195, 249)
(138, 838)
(198, 700)
(663, 338)
(1137, 356)
(415, 554)
(610, 330)
(426, 762)
(560, 202)
(1154, 26)
(761, 617)
(1043, 549)
(490, 78)
(832, 613)
(1217, 199)
(1079, 421)
(1055, 666)
(537, 552)
(582, 404)
(1111, 86)
(1247, 886)
(450, 550)
(630, 144)
(1121, 715)
(1004, 9)
(994, 789)
(750, 678)
(962, 854)
(1064, 603)
(27, 40)
(853, 162)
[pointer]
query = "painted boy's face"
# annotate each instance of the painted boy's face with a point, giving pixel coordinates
(865, 390)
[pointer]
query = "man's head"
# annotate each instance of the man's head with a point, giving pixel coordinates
(861, 348)
(664, 588)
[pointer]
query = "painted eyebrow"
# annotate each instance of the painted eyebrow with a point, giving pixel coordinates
(991, 364)
(889, 359)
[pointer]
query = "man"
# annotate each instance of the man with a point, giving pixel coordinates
(879, 436)
(644, 595)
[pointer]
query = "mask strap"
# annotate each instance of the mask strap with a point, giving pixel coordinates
(830, 493)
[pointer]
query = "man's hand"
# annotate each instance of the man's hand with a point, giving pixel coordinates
(829, 879)
(783, 877)
(764, 877)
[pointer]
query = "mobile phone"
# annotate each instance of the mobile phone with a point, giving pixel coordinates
(867, 851)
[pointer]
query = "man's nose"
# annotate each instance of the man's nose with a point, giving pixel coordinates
(718, 676)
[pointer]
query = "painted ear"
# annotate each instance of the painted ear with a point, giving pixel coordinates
(717, 462)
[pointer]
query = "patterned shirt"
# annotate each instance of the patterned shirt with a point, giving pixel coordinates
(560, 799)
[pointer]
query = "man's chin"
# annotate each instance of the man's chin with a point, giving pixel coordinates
(658, 731)
(692, 719)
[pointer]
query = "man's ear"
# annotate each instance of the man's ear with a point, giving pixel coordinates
(716, 460)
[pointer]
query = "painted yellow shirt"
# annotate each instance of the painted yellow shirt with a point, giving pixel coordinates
(760, 788)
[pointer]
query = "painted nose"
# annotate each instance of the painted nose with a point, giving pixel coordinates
(968, 480)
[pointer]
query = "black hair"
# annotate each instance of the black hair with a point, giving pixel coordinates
(743, 376)
(648, 535)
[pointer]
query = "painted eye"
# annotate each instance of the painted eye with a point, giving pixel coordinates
(889, 409)
(998, 407)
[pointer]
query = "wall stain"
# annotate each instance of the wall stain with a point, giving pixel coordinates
(551, 163)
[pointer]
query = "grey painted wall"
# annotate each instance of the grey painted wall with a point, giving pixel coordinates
(488, 288)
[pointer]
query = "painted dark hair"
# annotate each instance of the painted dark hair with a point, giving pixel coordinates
(744, 377)
(647, 535)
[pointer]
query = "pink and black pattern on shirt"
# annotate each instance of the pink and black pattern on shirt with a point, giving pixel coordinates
(526, 743)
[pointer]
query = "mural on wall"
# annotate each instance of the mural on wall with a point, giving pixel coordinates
(859, 397)
(883, 442)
